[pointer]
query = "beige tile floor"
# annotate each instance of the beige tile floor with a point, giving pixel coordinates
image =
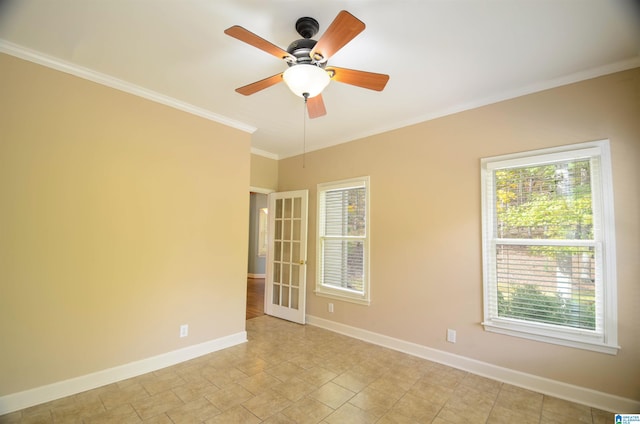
(289, 373)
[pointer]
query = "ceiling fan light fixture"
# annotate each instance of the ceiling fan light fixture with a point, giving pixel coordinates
(306, 78)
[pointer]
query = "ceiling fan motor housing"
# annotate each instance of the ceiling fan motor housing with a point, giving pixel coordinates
(301, 49)
(307, 27)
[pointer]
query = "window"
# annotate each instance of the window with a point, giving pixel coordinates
(343, 240)
(549, 247)
(263, 220)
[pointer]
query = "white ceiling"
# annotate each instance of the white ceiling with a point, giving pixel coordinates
(443, 56)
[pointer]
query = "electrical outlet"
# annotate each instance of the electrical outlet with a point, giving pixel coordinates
(184, 330)
(330, 307)
(451, 336)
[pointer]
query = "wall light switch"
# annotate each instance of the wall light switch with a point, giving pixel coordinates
(331, 307)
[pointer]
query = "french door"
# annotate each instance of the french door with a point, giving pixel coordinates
(285, 292)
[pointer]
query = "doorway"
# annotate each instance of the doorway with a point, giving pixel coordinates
(256, 261)
(285, 294)
(276, 275)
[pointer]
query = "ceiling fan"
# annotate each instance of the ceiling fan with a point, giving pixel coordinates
(308, 73)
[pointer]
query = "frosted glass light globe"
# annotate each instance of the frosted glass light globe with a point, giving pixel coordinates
(306, 78)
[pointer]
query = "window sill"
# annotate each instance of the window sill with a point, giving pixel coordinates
(343, 297)
(548, 336)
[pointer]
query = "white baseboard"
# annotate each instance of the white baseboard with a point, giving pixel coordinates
(593, 398)
(256, 275)
(16, 401)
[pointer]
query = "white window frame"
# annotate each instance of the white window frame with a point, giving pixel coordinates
(364, 297)
(605, 337)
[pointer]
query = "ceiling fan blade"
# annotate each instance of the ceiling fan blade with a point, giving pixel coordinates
(363, 79)
(343, 29)
(260, 85)
(315, 107)
(250, 38)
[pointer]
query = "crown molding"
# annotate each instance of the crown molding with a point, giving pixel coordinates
(577, 77)
(264, 153)
(24, 53)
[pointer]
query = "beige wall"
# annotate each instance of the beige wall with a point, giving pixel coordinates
(425, 225)
(120, 220)
(264, 172)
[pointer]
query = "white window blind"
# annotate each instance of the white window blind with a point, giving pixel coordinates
(343, 239)
(548, 250)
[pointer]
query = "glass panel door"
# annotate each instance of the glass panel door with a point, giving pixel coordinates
(286, 259)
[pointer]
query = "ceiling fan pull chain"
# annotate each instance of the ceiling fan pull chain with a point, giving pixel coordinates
(304, 130)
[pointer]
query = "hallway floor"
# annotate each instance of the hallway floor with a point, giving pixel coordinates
(255, 297)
